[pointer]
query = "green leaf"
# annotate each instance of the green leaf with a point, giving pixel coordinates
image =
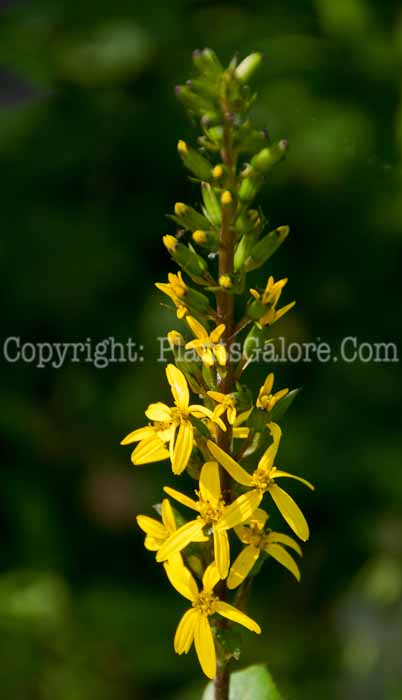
(283, 405)
(252, 683)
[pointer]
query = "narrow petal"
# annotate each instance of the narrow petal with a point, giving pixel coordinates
(151, 450)
(151, 544)
(233, 468)
(181, 498)
(189, 532)
(240, 510)
(242, 566)
(184, 636)
(279, 538)
(268, 384)
(217, 333)
(183, 447)
(276, 473)
(216, 395)
(267, 460)
(210, 577)
(205, 646)
(207, 356)
(168, 518)
(260, 517)
(200, 411)
(284, 558)
(198, 330)
(159, 412)
(210, 486)
(221, 552)
(240, 433)
(178, 385)
(236, 615)
(151, 527)
(284, 310)
(290, 511)
(221, 354)
(139, 434)
(181, 578)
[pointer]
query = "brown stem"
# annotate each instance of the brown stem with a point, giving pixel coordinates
(226, 381)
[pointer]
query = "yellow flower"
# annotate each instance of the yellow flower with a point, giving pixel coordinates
(212, 513)
(266, 400)
(270, 298)
(226, 404)
(158, 532)
(167, 421)
(207, 345)
(262, 480)
(194, 626)
(258, 540)
(176, 289)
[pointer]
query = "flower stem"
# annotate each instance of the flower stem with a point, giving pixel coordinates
(226, 381)
(221, 683)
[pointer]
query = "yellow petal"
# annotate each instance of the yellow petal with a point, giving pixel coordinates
(284, 310)
(231, 415)
(200, 411)
(159, 412)
(278, 473)
(240, 433)
(183, 447)
(151, 527)
(284, 558)
(221, 354)
(242, 566)
(260, 517)
(278, 537)
(139, 434)
(181, 498)
(185, 632)
(189, 532)
(290, 511)
(207, 357)
(168, 518)
(216, 395)
(181, 578)
(210, 486)
(217, 333)
(179, 386)
(236, 615)
(240, 510)
(268, 384)
(221, 552)
(151, 544)
(151, 450)
(233, 468)
(267, 460)
(205, 646)
(198, 330)
(210, 577)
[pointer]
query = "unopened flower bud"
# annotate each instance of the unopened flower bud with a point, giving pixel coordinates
(268, 157)
(226, 198)
(266, 247)
(225, 281)
(217, 172)
(246, 69)
(170, 243)
(194, 161)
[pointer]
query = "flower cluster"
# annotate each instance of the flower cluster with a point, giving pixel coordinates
(226, 439)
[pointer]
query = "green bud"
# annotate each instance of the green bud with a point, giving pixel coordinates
(254, 341)
(246, 69)
(243, 251)
(192, 101)
(186, 257)
(255, 309)
(249, 188)
(194, 161)
(211, 209)
(207, 62)
(268, 157)
(189, 218)
(266, 247)
(215, 134)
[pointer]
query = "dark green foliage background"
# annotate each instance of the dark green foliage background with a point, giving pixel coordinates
(88, 132)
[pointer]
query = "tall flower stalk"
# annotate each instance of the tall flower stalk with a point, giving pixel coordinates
(227, 440)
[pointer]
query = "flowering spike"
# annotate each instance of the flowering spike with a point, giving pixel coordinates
(215, 436)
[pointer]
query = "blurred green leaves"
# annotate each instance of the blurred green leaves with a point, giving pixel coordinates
(253, 683)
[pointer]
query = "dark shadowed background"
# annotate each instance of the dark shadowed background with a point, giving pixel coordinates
(88, 131)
